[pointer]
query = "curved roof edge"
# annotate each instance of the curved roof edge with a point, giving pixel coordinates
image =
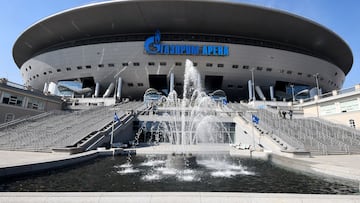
(182, 16)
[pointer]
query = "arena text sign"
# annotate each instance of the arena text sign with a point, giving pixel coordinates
(153, 45)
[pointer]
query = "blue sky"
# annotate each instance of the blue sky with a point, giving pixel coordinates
(342, 17)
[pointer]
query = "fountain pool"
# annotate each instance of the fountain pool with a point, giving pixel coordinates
(201, 173)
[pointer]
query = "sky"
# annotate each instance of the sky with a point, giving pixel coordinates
(340, 16)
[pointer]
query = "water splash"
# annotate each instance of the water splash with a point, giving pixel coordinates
(192, 119)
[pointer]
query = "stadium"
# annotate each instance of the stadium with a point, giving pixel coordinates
(127, 47)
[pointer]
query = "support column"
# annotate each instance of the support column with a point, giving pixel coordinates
(250, 90)
(260, 93)
(46, 86)
(119, 86)
(272, 93)
(97, 89)
(171, 82)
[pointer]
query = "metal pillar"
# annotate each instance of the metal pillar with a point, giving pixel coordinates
(272, 93)
(97, 89)
(119, 87)
(46, 86)
(171, 82)
(250, 90)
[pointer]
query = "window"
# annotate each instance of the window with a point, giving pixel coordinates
(240, 86)
(289, 72)
(101, 65)
(178, 84)
(268, 69)
(178, 63)
(26, 69)
(111, 65)
(140, 84)
(35, 104)
(50, 72)
(88, 67)
(45, 73)
(29, 67)
(195, 64)
(336, 73)
(130, 84)
(230, 86)
(209, 64)
(235, 66)
(37, 75)
(9, 117)
(34, 77)
(299, 74)
(259, 68)
(309, 75)
(125, 64)
(151, 63)
(79, 67)
(220, 65)
(68, 69)
(136, 64)
(246, 67)
(282, 71)
(162, 63)
(12, 99)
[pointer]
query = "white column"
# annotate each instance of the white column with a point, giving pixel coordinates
(272, 93)
(119, 86)
(46, 86)
(97, 89)
(109, 90)
(250, 90)
(171, 82)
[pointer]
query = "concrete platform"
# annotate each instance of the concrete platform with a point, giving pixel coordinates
(175, 197)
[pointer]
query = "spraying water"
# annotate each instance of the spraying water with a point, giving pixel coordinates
(194, 118)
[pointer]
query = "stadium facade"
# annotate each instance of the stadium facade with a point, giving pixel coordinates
(126, 47)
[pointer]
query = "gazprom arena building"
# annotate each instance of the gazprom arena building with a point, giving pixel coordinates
(125, 47)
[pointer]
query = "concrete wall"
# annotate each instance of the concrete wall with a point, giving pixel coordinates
(343, 118)
(126, 132)
(18, 112)
(338, 108)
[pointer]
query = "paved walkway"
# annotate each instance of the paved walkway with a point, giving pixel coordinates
(175, 197)
(342, 166)
(15, 158)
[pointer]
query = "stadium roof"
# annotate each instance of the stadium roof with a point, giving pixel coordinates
(219, 18)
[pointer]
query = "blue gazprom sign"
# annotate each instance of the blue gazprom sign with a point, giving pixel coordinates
(152, 45)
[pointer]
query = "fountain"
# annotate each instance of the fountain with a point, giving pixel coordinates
(194, 119)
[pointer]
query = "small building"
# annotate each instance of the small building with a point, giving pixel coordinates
(341, 107)
(17, 101)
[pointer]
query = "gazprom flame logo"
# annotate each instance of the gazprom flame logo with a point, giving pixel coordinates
(153, 46)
